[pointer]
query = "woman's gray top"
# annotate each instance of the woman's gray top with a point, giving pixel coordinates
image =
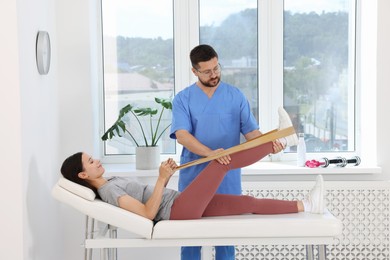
(119, 186)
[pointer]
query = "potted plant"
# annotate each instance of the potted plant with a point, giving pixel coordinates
(147, 152)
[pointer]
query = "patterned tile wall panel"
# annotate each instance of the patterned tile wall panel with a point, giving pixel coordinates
(363, 208)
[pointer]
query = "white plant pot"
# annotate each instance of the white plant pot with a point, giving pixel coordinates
(147, 158)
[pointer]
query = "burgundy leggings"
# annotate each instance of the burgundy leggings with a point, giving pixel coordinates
(199, 198)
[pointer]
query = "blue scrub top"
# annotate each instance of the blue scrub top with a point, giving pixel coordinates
(216, 122)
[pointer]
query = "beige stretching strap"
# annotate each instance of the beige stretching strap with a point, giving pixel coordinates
(265, 138)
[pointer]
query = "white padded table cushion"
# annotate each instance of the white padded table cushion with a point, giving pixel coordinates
(251, 226)
(77, 189)
(241, 226)
(104, 212)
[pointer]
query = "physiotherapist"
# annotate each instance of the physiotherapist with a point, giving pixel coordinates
(207, 117)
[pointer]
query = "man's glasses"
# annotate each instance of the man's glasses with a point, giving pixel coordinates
(209, 73)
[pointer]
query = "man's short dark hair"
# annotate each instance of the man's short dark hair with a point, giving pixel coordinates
(202, 53)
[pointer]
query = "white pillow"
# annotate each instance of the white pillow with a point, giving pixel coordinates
(77, 189)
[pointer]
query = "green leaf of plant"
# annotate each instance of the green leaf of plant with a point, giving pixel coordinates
(110, 133)
(145, 111)
(117, 131)
(126, 109)
(105, 136)
(122, 125)
(164, 102)
(119, 127)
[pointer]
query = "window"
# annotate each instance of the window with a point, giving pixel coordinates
(238, 55)
(296, 54)
(138, 66)
(319, 72)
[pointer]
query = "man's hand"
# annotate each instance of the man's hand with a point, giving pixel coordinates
(222, 160)
(277, 146)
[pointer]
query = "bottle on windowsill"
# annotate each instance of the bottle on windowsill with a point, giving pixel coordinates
(301, 150)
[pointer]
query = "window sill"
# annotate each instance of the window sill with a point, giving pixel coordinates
(289, 168)
(260, 168)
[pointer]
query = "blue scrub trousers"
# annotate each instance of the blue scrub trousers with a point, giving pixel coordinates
(221, 253)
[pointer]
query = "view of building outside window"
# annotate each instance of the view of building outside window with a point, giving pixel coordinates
(318, 62)
(319, 72)
(138, 66)
(318, 57)
(232, 31)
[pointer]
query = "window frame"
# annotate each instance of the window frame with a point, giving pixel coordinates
(270, 20)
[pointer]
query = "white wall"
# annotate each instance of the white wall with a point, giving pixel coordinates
(75, 88)
(383, 83)
(45, 118)
(21, 131)
(39, 133)
(38, 128)
(10, 155)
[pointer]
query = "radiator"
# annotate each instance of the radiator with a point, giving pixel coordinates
(363, 207)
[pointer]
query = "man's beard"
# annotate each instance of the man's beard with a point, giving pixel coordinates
(209, 84)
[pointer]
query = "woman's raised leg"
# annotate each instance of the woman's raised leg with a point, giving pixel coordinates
(192, 202)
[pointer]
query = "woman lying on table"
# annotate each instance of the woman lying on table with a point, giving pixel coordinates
(198, 200)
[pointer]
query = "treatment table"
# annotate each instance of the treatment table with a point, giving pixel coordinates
(285, 229)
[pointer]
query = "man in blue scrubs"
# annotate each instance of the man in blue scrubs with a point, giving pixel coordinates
(209, 116)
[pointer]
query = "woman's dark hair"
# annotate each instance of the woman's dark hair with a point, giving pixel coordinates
(202, 53)
(70, 169)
